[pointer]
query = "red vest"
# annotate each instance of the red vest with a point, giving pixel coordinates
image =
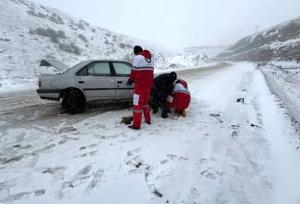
(142, 70)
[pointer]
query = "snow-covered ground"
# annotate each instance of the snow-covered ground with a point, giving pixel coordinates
(222, 152)
(283, 78)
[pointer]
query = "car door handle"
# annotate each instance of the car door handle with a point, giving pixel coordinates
(119, 82)
(81, 82)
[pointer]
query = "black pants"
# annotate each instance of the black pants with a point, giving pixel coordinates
(158, 99)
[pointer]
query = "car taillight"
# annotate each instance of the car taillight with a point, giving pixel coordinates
(40, 84)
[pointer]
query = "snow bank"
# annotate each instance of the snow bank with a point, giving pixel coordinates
(283, 77)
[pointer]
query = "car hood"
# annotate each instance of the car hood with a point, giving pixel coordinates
(54, 63)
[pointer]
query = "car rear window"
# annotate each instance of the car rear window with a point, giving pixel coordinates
(95, 69)
(101, 69)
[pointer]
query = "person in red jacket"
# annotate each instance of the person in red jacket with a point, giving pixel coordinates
(142, 77)
(181, 97)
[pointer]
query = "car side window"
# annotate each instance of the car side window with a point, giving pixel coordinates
(95, 69)
(90, 70)
(101, 69)
(83, 72)
(122, 69)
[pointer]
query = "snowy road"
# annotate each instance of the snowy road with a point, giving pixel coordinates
(19, 107)
(223, 152)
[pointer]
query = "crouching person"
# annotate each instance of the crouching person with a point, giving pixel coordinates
(163, 86)
(180, 99)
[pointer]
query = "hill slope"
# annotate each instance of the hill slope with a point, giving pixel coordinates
(209, 51)
(30, 32)
(281, 42)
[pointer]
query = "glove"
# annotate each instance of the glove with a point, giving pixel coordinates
(170, 99)
(129, 82)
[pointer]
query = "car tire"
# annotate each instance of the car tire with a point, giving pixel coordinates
(73, 102)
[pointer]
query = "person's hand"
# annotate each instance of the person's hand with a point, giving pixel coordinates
(129, 82)
(170, 99)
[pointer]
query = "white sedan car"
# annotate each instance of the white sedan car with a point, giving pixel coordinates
(87, 81)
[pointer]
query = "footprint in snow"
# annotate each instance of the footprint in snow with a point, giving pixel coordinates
(195, 194)
(209, 168)
(5, 186)
(132, 152)
(82, 148)
(93, 145)
(236, 130)
(79, 178)
(96, 179)
(43, 149)
(23, 195)
(56, 172)
(12, 159)
(136, 161)
(67, 129)
(172, 156)
(20, 137)
(92, 153)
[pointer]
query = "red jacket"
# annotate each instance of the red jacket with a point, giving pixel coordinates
(181, 96)
(142, 70)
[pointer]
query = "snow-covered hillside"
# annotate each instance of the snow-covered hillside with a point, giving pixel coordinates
(209, 51)
(184, 61)
(30, 32)
(281, 42)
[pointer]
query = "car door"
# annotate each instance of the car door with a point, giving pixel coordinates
(122, 72)
(97, 81)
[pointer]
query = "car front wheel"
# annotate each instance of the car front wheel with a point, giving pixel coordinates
(73, 102)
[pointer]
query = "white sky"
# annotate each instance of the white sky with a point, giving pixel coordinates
(181, 23)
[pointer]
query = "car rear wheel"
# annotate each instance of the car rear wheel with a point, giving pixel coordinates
(73, 102)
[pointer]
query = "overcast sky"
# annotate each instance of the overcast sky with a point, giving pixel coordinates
(181, 23)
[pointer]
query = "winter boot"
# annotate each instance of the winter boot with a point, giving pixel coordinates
(164, 114)
(134, 128)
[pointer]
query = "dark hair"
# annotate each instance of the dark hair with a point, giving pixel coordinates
(173, 76)
(137, 49)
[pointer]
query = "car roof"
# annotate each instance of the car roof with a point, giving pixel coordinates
(107, 60)
(83, 63)
(86, 62)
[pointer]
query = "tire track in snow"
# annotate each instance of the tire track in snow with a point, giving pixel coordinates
(278, 131)
(293, 110)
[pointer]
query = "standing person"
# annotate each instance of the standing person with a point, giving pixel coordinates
(142, 77)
